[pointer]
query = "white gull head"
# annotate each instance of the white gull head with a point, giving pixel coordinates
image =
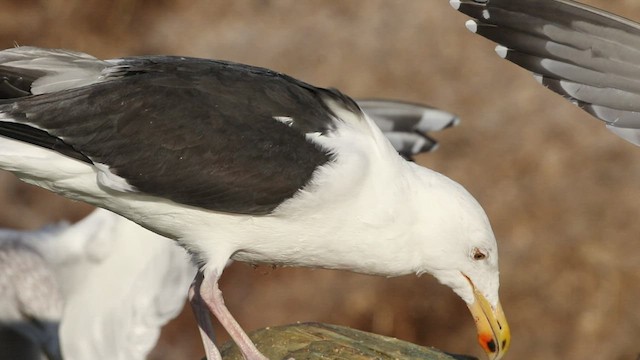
(459, 249)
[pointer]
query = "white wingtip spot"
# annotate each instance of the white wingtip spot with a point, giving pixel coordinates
(502, 51)
(471, 26)
(631, 135)
(287, 120)
(455, 4)
(539, 78)
(485, 14)
(455, 121)
(419, 145)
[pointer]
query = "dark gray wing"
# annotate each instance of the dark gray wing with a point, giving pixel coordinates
(217, 135)
(587, 55)
(407, 125)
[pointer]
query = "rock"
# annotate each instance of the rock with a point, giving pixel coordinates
(315, 341)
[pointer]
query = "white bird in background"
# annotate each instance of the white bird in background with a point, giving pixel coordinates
(239, 162)
(30, 299)
(119, 317)
(117, 282)
(587, 55)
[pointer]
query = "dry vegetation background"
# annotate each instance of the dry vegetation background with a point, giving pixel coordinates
(563, 194)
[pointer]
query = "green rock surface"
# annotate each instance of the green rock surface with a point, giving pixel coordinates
(315, 341)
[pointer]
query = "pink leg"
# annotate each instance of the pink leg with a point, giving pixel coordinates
(201, 313)
(212, 296)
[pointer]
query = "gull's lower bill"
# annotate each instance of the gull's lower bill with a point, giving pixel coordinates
(493, 330)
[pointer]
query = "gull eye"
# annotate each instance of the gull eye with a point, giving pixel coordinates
(478, 254)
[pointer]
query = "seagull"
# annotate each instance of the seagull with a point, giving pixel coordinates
(122, 319)
(585, 54)
(240, 162)
(109, 286)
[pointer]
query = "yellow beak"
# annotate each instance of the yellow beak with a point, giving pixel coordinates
(493, 330)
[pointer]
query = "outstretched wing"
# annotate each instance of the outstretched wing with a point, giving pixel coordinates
(407, 125)
(587, 55)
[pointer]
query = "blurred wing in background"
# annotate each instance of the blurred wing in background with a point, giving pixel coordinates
(589, 56)
(119, 282)
(30, 302)
(406, 124)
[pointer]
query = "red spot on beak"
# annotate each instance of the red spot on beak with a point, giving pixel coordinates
(487, 342)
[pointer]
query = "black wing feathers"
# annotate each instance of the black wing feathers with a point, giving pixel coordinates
(196, 132)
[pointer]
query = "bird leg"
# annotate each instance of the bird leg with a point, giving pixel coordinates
(212, 296)
(201, 313)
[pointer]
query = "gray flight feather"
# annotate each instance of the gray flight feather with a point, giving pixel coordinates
(587, 55)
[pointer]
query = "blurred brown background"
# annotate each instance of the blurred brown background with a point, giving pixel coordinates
(563, 193)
